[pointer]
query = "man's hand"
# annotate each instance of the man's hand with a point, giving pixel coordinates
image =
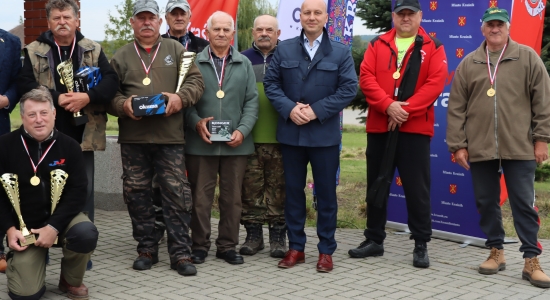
(128, 110)
(174, 104)
(297, 116)
(462, 158)
(391, 125)
(73, 102)
(46, 236)
(14, 236)
(397, 113)
(236, 139)
(541, 151)
(308, 111)
(202, 129)
(4, 101)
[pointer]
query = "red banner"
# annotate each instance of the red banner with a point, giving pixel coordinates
(202, 10)
(528, 22)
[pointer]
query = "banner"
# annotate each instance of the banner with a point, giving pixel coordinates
(202, 10)
(457, 24)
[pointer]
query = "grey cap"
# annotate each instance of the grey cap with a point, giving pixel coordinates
(146, 5)
(183, 4)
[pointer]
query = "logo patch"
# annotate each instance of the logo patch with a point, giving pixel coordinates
(398, 181)
(461, 21)
(432, 34)
(452, 188)
(169, 60)
(459, 52)
(493, 3)
(433, 5)
(56, 163)
(534, 7)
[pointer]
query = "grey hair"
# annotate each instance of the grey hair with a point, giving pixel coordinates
(276, 21)
(61, 5)
(219, 13)
(39, 94)
(485, 23)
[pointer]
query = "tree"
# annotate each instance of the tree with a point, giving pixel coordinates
(118, 31)
(545, 52)
(248, 11)
(376, 14)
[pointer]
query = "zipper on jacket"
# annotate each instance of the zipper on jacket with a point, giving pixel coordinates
(496, 111)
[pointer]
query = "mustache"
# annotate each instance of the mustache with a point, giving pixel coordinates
(62, 26)
(146, 27)
(265, 38)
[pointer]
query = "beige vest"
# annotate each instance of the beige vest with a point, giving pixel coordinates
(93, 138)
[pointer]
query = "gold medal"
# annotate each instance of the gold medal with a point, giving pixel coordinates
(35, 180)
(396, 75)
(220, 94)
(146, 81)
(491, 92)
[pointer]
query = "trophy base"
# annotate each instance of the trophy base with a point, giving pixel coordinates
(29, 240)
(80, 119)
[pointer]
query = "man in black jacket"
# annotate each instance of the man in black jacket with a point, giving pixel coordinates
(178, 13)
(31, 153)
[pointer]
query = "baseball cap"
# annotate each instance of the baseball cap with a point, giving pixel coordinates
(406, 4)
(146, 5)
(183, 4)
(496, 13)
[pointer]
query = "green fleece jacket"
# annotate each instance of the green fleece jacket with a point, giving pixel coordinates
(240, 105)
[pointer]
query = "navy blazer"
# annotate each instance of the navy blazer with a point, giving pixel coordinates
(10, 64)
(328, 83)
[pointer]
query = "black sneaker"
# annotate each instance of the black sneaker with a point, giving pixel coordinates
(145, 261)
(198, 256)
(184, 267)
(367, 248)
(230, 256)
(420, 256)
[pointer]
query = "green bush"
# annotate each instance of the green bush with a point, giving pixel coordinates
(542, 173)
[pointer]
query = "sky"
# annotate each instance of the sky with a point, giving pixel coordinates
(94, 18)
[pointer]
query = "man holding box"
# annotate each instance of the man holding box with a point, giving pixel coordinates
(154, 143)
(230, 95)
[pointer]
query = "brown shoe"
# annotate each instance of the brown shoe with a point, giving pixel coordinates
(533, 272)
(3, 263)
(73, 292)
(324, 264)
(292, 257)
(496, 262)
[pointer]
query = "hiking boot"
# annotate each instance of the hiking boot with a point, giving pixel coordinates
(494, 263)
(145, 261)
(533, 272)
(3, 263)
(254, 239)
(367, 248)
(184, 267)
(277, 240)
(73, 292)
(420, 256)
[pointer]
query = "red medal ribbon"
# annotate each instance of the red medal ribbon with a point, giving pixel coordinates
(493, 76)
(220, 78)
(35, 167)
(147, 69)
(59, 49)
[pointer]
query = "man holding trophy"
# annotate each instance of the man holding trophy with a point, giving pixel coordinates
(157, 80)
(52, 61)
(41, 202)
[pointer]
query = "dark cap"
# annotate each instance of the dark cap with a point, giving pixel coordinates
(496, 13)
(146, 5)
(406, 4)
(183, 4)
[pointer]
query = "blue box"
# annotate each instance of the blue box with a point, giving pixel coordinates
(149, 105)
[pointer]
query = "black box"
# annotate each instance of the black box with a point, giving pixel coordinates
(220, 130)
(149, 105)
(80, 84)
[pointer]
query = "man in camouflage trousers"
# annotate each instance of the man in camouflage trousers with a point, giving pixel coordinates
(263, 195)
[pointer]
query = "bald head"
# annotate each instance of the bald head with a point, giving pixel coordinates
(316, 3)
(313, 18)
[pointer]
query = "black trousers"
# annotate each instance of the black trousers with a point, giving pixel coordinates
(519, 176)
(412, 160)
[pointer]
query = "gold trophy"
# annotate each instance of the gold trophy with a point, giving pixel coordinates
(57, 181)
(186, 61)
(65, 70)
(9, 182)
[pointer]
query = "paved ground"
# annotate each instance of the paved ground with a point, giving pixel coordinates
(452, 274)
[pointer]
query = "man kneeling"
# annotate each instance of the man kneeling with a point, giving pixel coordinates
(29, 154)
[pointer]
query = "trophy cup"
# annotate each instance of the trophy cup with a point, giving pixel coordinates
(9, 182)
(58, 181)
(186, 61)
(65, 70)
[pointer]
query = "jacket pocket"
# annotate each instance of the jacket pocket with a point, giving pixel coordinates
(327, 74)
(290, 71)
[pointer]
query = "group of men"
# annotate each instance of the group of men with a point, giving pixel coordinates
(282, 101)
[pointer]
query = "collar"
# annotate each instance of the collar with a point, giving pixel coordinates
(260, 51)
(28, 136)
(319, 39)
(159, 39)
(228, 55)
(512, 51)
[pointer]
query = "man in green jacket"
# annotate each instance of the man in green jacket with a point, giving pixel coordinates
(502, 87)
(230, 94)
(154, 144)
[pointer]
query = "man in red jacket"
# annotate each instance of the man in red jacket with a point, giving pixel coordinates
(391, 60)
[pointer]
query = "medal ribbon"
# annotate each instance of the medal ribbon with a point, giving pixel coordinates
(493, 76)
(220, 78)
(59, 49)
(35, 167)
(147, 69)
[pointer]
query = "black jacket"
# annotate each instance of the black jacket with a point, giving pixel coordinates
(66, 155)
(196, 44)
